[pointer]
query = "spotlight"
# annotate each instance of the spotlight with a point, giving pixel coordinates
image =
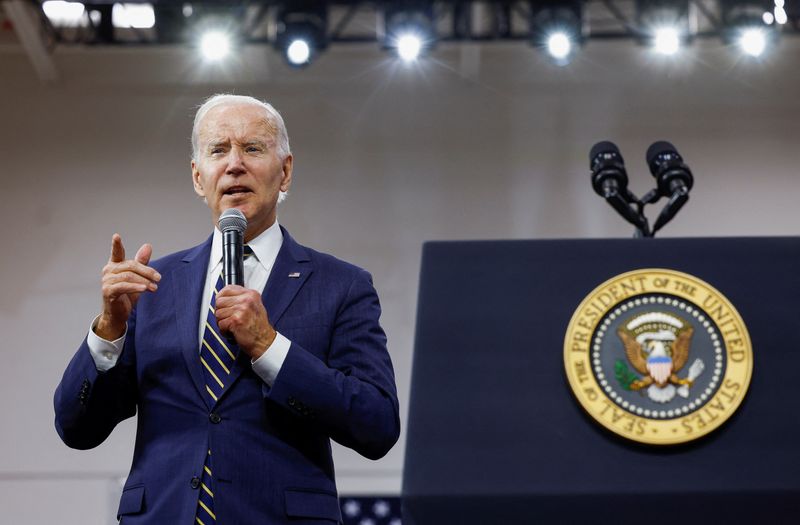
(666, 40)
(745, 25)
(302, 31)
(753, 41)
(408, 46)
(557, 27)
(298, 52)
(664, 24)
(409, 28)
(64, 14)
(559, 45)
(215, 45)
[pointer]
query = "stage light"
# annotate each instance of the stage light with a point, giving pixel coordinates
(409, 28)
(298, 52)
(559, 45)
(666, 40)
(746, 26)
(64, 14)
(557, 27)
(215, 45)
(664, 24)
(302, 31)
(139, 16)
(780, 15)
(768, 17)
(753, 41)
(409, 47)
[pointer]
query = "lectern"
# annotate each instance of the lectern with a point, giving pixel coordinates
(498, 435)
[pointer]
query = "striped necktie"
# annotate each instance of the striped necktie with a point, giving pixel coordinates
(217, 355)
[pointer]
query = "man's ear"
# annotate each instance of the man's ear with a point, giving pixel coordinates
(286, 179)
(196, 182)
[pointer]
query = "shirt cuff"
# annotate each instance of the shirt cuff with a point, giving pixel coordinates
(269, 364)
(104, 352)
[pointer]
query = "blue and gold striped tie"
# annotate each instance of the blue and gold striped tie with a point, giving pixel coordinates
(217, 355)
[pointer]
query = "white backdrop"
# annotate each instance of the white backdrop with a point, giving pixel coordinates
(476, 142)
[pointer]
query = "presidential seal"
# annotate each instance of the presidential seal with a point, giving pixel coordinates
(658, 356)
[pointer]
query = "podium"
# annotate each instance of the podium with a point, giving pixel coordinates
(497, 436)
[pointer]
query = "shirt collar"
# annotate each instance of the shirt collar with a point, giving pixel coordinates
(266, 246)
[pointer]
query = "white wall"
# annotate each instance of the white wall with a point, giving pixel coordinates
(479, 141)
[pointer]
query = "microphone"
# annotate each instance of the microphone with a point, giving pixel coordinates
(610, 181)
(232, 223)
(673, 177)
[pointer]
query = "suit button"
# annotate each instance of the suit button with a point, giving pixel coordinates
(214, 418)
(195, 482)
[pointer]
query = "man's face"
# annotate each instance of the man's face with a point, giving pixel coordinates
(238, 166)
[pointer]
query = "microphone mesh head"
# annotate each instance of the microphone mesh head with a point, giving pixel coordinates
(603, 147)
(659, 148)
(232, 219)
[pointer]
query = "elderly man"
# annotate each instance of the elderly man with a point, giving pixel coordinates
(238, 389)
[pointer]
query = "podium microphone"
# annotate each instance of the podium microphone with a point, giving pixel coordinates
(673, 177)
(610, 181)
(232, 223)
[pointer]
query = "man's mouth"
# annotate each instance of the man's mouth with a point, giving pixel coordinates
(237, 190)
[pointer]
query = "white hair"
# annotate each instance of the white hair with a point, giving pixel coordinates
(274, 119)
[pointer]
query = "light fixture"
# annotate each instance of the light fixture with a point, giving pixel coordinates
(215, 29)
(215, 45)
(745, 26)
(557, 27)
(64, 14)
(664, 24)
(409, 28)
(302, 30)
(137, 16)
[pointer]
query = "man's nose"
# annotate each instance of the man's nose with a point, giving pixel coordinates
(235, 161)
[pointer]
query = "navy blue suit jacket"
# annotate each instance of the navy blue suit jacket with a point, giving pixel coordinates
(270, 445)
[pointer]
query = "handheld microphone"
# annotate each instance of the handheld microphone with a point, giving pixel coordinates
(232, 223)
(673, 177)
(610, 181)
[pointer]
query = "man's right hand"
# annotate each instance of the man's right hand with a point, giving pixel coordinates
(122, 283)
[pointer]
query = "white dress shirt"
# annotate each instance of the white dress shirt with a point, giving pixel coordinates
(256, 272)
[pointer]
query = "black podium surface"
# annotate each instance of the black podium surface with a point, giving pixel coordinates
(495, 435)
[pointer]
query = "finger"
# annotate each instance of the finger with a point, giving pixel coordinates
(129, 277)
(144, 253)
(114, 291)
(231, 290)
(136, 267)
(117, 249)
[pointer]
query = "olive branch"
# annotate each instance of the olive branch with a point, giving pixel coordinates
(624, 374)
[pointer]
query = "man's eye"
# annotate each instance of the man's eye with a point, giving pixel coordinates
(215, 151)
(253, 149)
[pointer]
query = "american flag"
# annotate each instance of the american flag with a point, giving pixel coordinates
(372, 510)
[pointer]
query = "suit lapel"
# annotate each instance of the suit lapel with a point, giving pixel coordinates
(189, 281)
(292, 268)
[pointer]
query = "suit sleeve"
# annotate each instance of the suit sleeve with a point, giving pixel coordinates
(89, 403)
(353, 395)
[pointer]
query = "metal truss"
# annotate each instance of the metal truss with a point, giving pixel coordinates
(350, 21)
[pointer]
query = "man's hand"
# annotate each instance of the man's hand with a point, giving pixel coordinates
(122, 283)
(240, 311)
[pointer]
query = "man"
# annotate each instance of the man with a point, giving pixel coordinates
(238, 392)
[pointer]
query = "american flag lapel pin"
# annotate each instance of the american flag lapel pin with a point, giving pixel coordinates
(294, 275)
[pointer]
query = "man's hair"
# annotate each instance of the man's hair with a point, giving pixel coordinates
(274, 120)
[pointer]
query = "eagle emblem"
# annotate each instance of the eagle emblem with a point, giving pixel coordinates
(657, 346)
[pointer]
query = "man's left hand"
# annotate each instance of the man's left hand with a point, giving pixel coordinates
(240, 311)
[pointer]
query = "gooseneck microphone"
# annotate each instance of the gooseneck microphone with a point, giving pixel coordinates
(610, 181)
(232, 223)
(673, 177)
